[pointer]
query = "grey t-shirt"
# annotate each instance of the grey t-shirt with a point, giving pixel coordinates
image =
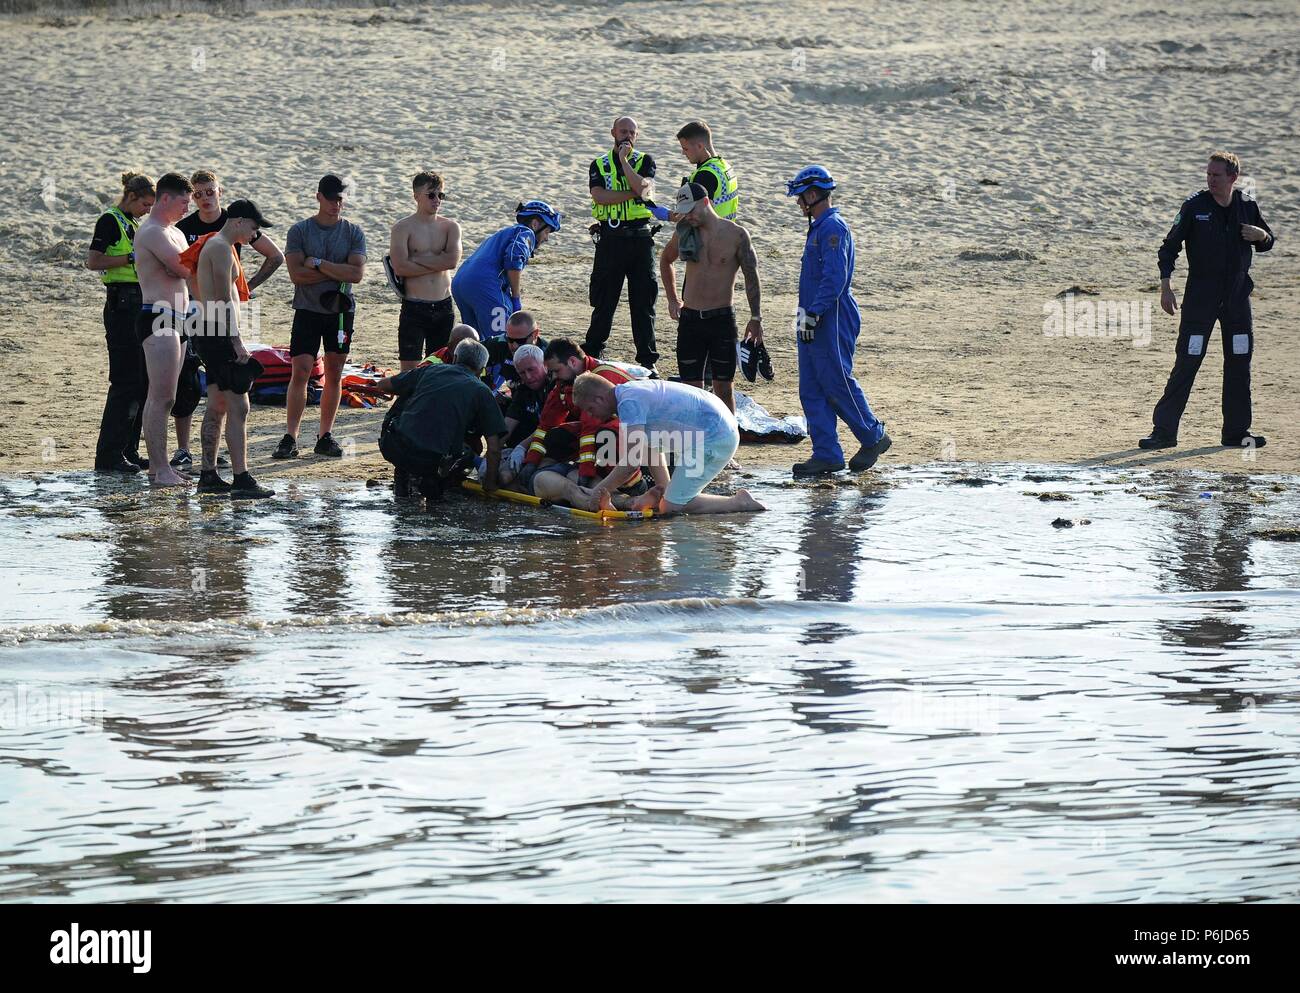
(332, 244)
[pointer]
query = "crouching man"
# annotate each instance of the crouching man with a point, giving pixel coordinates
(659, 418)
(437, 407)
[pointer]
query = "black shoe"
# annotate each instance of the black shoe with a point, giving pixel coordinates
(125, 467)
(326, 445)
(430, 487)
(654, 372)
(245, 487)
(816, 467)
(1157, 439)
(210, 482)
(765, 363)
(287, 449)
(748, 356)
(137, 460)
(182, 459)
(866, 457)
(402, 483)
(1247, 440)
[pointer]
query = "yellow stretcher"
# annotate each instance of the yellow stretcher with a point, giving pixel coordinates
(604, 516)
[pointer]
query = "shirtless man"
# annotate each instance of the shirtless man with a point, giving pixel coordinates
(219, 345)
(423, 249)
(161, 321)
(706, 324)
(208, 217)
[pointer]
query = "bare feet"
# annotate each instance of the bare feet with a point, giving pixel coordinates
(606, 501)
(166, 477)
(732, 464)
(649, 500)
(747, 502)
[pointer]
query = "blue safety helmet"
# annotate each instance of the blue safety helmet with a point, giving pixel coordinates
(810, 177)
(539, 208)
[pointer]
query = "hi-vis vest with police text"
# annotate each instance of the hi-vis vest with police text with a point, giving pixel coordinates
(123, 246)
(612, 173)
(728, 198)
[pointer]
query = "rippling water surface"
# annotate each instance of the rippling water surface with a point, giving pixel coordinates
(916, 690)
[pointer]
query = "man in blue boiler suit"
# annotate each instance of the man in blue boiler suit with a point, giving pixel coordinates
(827, 328)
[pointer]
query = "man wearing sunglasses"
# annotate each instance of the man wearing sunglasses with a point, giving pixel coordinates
(521, 329)
(422, 250)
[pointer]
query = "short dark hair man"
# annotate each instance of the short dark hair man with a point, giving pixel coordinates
(710, 169)
(326, 256)
(423, 249)
(1221, 228)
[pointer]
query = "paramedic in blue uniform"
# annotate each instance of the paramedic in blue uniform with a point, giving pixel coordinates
(1221, 228)
(827, 326)
(488, 286)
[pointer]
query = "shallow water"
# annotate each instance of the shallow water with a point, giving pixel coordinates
(917, 690)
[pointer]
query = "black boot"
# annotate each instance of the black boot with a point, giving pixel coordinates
(1157, 439)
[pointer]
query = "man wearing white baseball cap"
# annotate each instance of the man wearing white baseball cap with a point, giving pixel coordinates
(713, 249)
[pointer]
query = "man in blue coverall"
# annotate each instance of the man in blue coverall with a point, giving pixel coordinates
(488, 285)
(827, 328)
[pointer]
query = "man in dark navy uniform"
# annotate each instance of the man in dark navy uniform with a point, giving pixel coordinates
(1221, 228)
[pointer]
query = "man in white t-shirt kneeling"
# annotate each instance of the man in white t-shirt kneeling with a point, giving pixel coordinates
(658, 418)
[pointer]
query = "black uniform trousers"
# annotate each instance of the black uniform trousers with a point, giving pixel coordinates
(622, 257)
(128, 382)
(1193, 341)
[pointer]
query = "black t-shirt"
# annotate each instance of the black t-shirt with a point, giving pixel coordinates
(646, 169)
(526, 408)
(709, 181)
(194, 227)
(107, 231)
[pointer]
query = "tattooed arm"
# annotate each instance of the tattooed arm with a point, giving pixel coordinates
(753, 291)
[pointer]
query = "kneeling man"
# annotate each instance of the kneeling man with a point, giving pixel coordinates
(439, 405)
(659, 418)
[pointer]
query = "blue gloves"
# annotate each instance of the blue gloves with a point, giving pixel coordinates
(660, 213)
(516, 305)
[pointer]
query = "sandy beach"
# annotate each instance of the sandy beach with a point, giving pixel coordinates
(989, 158)
(1021, 661)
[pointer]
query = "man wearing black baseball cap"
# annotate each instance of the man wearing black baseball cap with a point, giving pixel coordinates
(326, 256)
(231, 371)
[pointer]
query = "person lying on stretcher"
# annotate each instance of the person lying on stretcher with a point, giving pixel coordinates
(560, 477)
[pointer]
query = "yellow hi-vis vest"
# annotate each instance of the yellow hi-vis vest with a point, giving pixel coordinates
(126, 227)
(612, 173)
(728, 198)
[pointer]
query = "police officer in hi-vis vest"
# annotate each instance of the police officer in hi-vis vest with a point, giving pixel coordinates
(711, 169)
(620, 180)
(112, 255)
